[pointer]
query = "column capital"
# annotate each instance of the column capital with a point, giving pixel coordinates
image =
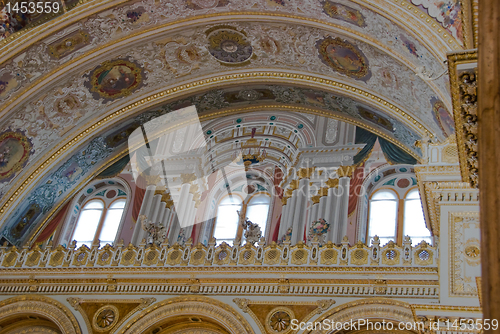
(284, 200)
(187, 178)
(294, 184)
(323, 191)
(345, 171)
(165, 197)
(305, 172)
(315, 199)
(194, 189)
(152, 179)
(332, 183)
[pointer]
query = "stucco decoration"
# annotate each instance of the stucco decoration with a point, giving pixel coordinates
(125, 20)
(185, 56)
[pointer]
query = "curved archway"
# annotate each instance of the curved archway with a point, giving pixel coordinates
(371, 310)
(199, 313)
(43, 313)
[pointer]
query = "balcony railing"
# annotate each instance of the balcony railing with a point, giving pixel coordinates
(143, 255)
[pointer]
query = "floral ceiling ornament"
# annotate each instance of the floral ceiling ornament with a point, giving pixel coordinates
(105, 318)
(279, 320)
(229, 46)
(344, 58)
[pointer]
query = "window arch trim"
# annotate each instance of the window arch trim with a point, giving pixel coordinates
(65, 234)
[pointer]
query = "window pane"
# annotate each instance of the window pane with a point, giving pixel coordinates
(120, 204)
(414, 222)
(257, 214)
(110, 227)
(260, 199)
(384, 195)
(96, 204)
(227, 222)
(86, 226)
(413, 195)
(382, 222)
(231, 200)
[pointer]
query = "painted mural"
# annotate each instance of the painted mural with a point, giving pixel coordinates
(344, 58)
(116, 78)
(341, 12)
(15, 149)
(447, 12)
(443, 117)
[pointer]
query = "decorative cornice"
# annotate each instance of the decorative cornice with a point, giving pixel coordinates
(464, 94)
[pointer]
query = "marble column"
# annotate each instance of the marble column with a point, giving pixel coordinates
(299, 214)
(147, 200)
(344, 183)
(489, 154)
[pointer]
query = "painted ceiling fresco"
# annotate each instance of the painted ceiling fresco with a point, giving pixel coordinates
(90, 68)
(57, 185)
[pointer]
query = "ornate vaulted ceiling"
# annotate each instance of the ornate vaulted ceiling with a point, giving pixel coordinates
(73, 88)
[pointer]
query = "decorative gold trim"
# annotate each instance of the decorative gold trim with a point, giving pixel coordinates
(220, 312)
(465, 122)
(41, 305)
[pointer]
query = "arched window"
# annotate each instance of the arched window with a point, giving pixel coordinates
(226, 224)
(414, 222)
(383, 216)
(227, 227)
(98, 220)
(391, 218)
(257, 211)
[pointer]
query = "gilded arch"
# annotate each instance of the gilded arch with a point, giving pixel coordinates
(42, 306)
(374, 308)
(220, 313)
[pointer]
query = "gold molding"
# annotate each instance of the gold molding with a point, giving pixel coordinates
(63, 317)
(455, 60)
(217, 310)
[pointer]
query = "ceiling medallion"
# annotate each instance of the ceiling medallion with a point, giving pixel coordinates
(113, 79)
(229, 46)
(279, 320)
(249, 95)
(472, 251)
(105, 318)
(344, 58)
(15, 150)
